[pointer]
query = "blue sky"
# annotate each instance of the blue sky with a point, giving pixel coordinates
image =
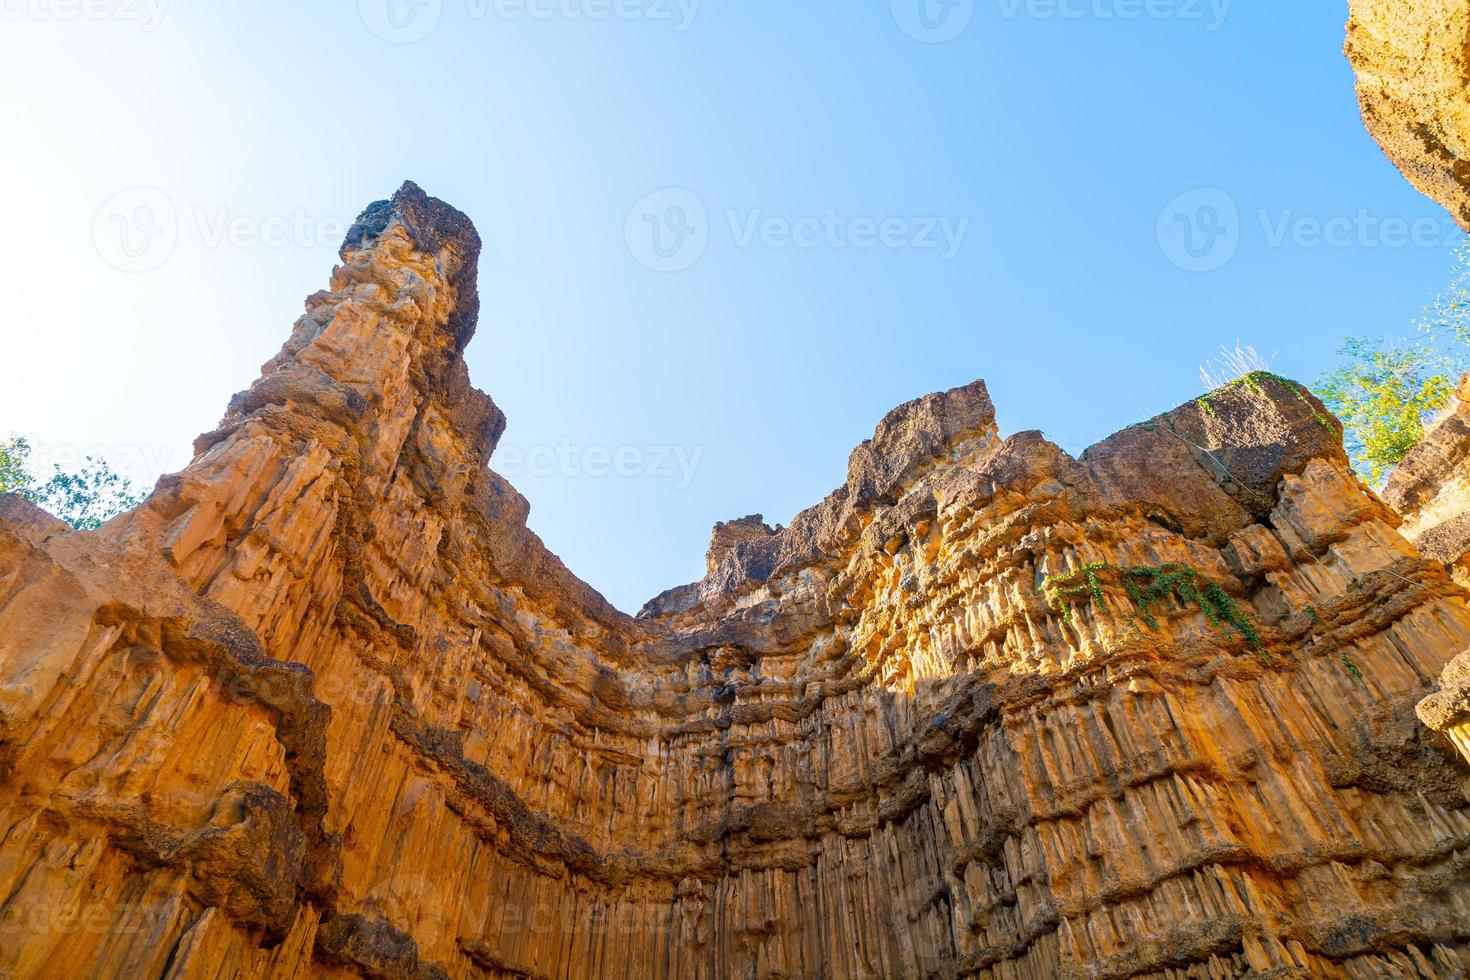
(852, 212)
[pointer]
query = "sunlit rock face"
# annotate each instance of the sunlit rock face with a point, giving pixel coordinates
(323, 706)
(1412, 59)
(1431, 489)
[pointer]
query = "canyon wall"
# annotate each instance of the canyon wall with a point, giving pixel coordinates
(324, 706)
(1412, 59)
(1430, 488)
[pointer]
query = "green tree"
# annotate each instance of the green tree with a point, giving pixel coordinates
(13, 475)
(1446, 321)
(1387, 391)
(1385, 395)
(84, 499)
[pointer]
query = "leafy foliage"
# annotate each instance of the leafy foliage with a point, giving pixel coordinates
(1384, 395)
(1146, 586)
(13, 475)
(1387, 391)
(1447, 319)
(84, 499)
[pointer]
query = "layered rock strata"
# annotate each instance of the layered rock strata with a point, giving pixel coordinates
(323, 706)
(1430, 488)
(1412, 59)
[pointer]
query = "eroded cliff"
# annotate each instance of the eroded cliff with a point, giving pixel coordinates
(324, 706)
(1431, 489)
(1412, 59)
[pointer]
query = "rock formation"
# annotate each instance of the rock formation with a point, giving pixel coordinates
(1412, 58)
(1430, 488)
(323, 706)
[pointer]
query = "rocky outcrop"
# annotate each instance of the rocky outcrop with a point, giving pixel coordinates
(1412, 59)
(324, 706)
(1430, 488)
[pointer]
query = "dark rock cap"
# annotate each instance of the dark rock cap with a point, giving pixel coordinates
(434, 227)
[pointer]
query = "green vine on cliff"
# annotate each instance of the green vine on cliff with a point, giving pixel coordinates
(1061, 589)
(1348, 663)
(1146, 586)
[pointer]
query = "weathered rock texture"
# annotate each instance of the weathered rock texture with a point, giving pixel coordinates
(1412, 58)
(1430, 488)
(324, 706)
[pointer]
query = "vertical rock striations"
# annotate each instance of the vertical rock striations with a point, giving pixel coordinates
(1412, 58)
(1431, 489)
(324, 706)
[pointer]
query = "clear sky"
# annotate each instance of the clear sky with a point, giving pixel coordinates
(855, 203)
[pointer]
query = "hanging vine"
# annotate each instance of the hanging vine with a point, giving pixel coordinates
(1146, 587)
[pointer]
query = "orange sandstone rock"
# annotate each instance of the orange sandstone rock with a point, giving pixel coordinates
(323, 706)
(1412, 58)
(1430, 488)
